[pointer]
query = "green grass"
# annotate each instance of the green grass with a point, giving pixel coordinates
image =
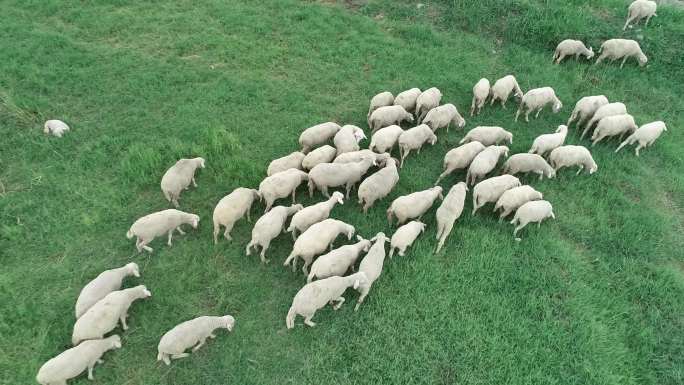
(594, 297)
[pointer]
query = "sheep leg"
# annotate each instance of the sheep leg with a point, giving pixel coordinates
(443, 175)
(581, 167)
(629, 20)
(269, 203)
(598, 139)
(143, 245)
(100, 361)
(170, 235)
(340, 301)
(123, 321)
(367, 206)
(623, 61)
(138, 245)
(492, 100)
(364, 292)
(560, 58)
(249, 219)
(504, 214)
(541, 174)
(294, 234)
(180, 230)
(165, 359)
(294, 191)
(349, 187)
(324, 190)
(193, 182)
(308, 321)
(217, 229)
(402, 251)
(538, 111)
(517, 113)
(600, 59)
(264, 247)
(90, 371)
(226, 233)
(639, 147)
(472, 107)
(212, 336)
(647, 20)
(199, 345)
(403, 156)
(249, 247)
(179, 355)
(520, 226)
(586, 130)
(174, 200)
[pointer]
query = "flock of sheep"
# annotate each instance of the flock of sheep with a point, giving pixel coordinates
(102, 304)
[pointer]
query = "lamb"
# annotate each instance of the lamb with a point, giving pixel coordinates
(405, 236)
(323, 154)
(347, 139)
(444, 116)
(640, 9)
(316, 295)
(102, 317)
(485, 162)
(231, 208)
(413, 139)
(190, 334)
(585, 109)
(528, 163)
(533, 211)
(460, 158)
(357, 156)
(105, 283)
(268, 227)
(387, 116)
(481, 92)
(371, 267)
(306, 217)
(487, 135)
(613, 126)
(378, 185)
(547, 142)
(315, 240)
(502, 89)
(317, 135)
(426, 101)
(385, 138)
(407, 99)
(568, 156)
(146, 228)
(338, 261)
(178, 178)
(380, 100)
(624, 49)
(294, 160)
(327, 175)
(72, 362)
(606, 110)
(537, 99)
(280, 185)
(55, 127)
(645, 135)
(413, 205)
(511, 199)
(490, 190)
(571, 47)
(449, 211)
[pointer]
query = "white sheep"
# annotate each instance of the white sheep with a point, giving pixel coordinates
(357, 156)
(309, 215)
(103, 317)
(537, 99)
(511, 199)
(327, 175)
(231, 208)
(385, 138)
(484, 162)
(413, 139)
(571, 47)
(585, 109)
(371, 267)
(378, 185)
(268, 227)
(55, 127)
(568, 156)
(407, 99)
(481, 92)
(316, 135)
(380, 100)
(294, 160)
(280, 185)
(323, 154)
(640, 9)
(347, 139)
(413, 205)
(315, 240)
(547, 142)
(426, 101)
(387, 116)
(444, 116)
(502, 89)
(146, 228)
(72, 362)
(338, 261)
(533, 211)
(488, 135)
(190, 334)
(604, 111)
(405, 236)
(317, 294)
(613, 126)
(645, 135)
(178, 178)
(460, 158)
(105, 283)
(624, 49)
(490, 190)
(524, 163)
(449, 211)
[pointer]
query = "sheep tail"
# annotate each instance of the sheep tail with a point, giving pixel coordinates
(130, 234)
(389, 215)
(289, 320)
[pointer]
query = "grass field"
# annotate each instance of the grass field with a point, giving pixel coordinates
(594, 297)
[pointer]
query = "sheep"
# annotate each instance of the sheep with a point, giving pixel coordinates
(357, 156)
(511, 199)
(387, 116)
(315, 240)
(378, 185)
(317, 135)
(268, 227)
(347, 139)
(102, 317)
(407, 99)
(323, 154)
(449, 211)
(613, 126)
(280, 185)
(426, 101)
(606, 110)
(547, 142)
(231, 208)
(624, 49)
(316, 295)
(105, 283)
(640, 9)
(568, 156)
(502, 89)
(294, 160)
(371, 267)
(444, 116)
(413, 139)
(484, 162)
(385, 138)
(72, 362)
(585, 109)
(413, 205)
(481, 92)
(55, 127)
(569, 47)
(405, 236)
(487, 135)
(645, 135)
(146, 228)
(490, 190)
(382, 99)
(536, 99)
(178, 178)
(190, 334)
(338, 261)
(460, 158)
(327, 175)
(533, 211)
(306, 217)
(528, 163)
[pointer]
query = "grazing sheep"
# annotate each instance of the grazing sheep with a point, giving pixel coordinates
(443, 116)
(481, 92)
(413, 139)
(604, 111)
(449, 211)
(316, 135)
(387, 116)
(485, 162)
(338, 261)
(460, 158)
(280, 185)
(613, 126)
(511, 199)
(547, 142)
(533, 211)
(347, 139)
(407, 99)
(55, 127)
(385, 138)
(323, 154)
(525, 163)
(537, 99)
(487, 135)
(268, 227)
(502, 89)
(153, 225)
(585, 109)
(405, 236)
(640, 9)
(178, 178)
(316, 295)
(571, 47)
(413, 205)
(72, 362)
(327, 175)
(105, 283)
(190, 334)
(568, 156)
(306, 217)
(371, 266)
(357, 156)
(378, 185)
(315, 240)
(231, 208)
(426, 101)
(645, 135)
(102, 317)
(624, 49)
(382, 99)
(294, 160)
(490, 190)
